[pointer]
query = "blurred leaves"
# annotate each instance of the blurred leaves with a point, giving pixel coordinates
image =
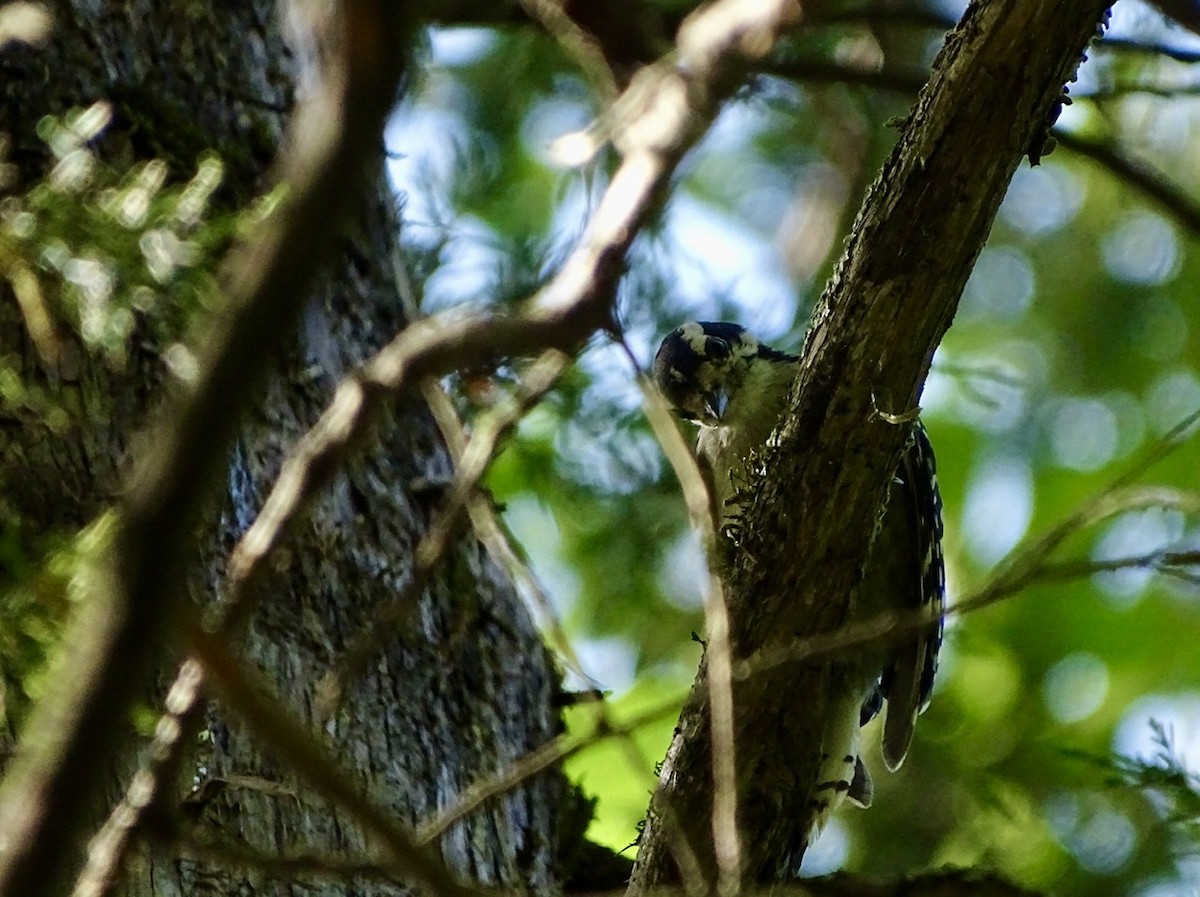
(109, 262)
(39, 581)
(120, 258)
(1077, 344)
(1075, 347)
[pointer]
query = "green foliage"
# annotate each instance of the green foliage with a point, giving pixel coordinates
(1170, 787)
(122, 258)
(113, 263)
(1074, 350)
(38, 585)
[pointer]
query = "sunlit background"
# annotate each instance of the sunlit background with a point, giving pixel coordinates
(1074, 350)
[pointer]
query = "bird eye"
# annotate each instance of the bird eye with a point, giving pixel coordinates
(717, 348)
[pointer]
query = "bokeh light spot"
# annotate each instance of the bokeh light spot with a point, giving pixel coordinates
(1172, 398)
(1042, 200)
(1083, 433)
(1075, 687)
(1142, 249)
(1001, 285)
(998, 508)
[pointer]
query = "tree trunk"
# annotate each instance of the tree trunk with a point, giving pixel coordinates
(458, 694)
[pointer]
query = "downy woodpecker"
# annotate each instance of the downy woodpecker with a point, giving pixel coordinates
(734, 388)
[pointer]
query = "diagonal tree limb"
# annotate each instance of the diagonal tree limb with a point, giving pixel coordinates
(475, 459)
(885, 310)
(287, 737)
(51, 786)
(671, 112)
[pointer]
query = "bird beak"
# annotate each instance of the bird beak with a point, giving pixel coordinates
(716, 402)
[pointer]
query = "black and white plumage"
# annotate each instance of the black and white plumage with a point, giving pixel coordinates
(735, 388)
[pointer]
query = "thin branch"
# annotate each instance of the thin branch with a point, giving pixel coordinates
(108, 848)
(718, 656)
(243, 692)
(1028, 560)
(987, 373)
(1138, 174)
(537, 760)
(581, 46)
(478, 455)
(1135, 172)
(495, 537)
(1153, 49)
(906, 81)
(1165, 562)
(877, 14)
(1183, 11)
(1146, 88)
(1025, 565)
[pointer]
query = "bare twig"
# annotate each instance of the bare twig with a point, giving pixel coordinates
(1146, 88)
(581, 46)
(1165, 561)
(718, 660)
(562, 748)
(1153, 49)
(919, 17)
(1136, 173)
(243, 692)
(1026, 565)
(717, 655)
(109, 846)
(432, 548)
(494, 535)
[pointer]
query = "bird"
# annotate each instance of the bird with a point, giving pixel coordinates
(735, 388)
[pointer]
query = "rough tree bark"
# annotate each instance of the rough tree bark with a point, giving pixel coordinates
(873, 335)
(456, 696)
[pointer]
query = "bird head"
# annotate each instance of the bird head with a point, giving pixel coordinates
(704, 367)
